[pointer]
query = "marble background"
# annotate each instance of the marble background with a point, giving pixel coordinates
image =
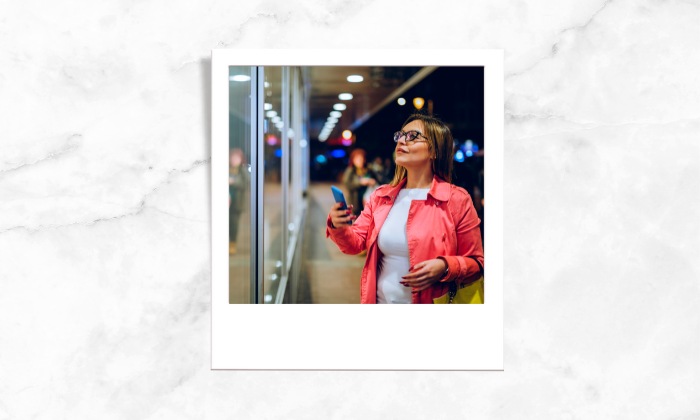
(105, 214)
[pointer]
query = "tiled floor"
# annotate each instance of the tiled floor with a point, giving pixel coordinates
(327, 275)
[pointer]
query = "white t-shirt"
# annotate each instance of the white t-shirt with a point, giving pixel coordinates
(393, 243)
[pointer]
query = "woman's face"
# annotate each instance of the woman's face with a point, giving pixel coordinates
(235, 159)
(418, 154)
(359, 161)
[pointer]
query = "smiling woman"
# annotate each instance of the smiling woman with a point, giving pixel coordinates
(422, 233)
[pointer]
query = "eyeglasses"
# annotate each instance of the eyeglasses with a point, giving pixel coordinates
(411, 137)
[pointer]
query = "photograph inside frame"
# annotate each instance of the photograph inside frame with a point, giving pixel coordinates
(356, 185)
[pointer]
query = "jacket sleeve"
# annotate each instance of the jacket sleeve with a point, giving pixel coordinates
(352, 240)
(468, 265)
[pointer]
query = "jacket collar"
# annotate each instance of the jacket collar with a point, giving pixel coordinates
(439, 189)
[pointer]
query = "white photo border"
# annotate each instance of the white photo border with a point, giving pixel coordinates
(359, 337)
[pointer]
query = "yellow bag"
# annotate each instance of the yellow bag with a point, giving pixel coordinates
(468, 293)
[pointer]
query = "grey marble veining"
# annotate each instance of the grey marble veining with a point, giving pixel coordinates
(105, 212)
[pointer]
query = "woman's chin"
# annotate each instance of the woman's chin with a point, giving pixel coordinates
(408, 164)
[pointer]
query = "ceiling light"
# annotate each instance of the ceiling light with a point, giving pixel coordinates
(331, 125)
(345, 96)
(336, 114)
(418, 103)
(333, 120)
(276, 119)
(239, 78)
(302, 143)
(270, 114)
(347, 134)
(402, 101)
(339, 107)
(355, 78)
(267, 107)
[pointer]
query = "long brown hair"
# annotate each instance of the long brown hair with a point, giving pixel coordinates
(440, 145)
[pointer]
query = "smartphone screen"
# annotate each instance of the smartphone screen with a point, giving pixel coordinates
(340, 198)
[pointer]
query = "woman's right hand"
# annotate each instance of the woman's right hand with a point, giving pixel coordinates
(340, 218)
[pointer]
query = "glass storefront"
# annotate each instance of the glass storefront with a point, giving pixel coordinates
(267, 117)
(240, 145)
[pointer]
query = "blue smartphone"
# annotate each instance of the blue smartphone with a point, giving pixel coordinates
(340, 198)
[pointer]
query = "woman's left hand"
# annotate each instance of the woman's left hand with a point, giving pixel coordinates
(424, 274)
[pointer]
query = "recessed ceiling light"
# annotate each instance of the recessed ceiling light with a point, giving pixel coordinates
(239, 78)
(271, 114)
(336, 114)
(267, 107)
(345, 96)
(276, 119)
(333, 120)
(339, 107)
(402, 101)
(355, 78)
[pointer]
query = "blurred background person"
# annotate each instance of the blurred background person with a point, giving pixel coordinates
(378, 167)
(357, 179)
(237, 183)
(389, 167)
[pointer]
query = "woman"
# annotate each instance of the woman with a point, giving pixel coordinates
(237, 184)
(420, 231)
(357, 178)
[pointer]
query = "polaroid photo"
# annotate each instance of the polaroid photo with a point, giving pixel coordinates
(358, 231)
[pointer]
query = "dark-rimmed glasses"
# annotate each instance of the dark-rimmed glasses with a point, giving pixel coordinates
(411, 137)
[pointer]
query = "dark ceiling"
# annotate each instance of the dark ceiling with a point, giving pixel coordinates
(328, 82)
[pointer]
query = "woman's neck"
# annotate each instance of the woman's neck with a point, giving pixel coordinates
(419, 178)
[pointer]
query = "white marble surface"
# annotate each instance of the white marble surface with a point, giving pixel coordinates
(105, 215)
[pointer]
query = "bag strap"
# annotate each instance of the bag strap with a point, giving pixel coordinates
(481, 267)
(452, 291)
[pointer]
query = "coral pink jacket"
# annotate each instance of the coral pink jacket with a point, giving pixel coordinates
(445, 226)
